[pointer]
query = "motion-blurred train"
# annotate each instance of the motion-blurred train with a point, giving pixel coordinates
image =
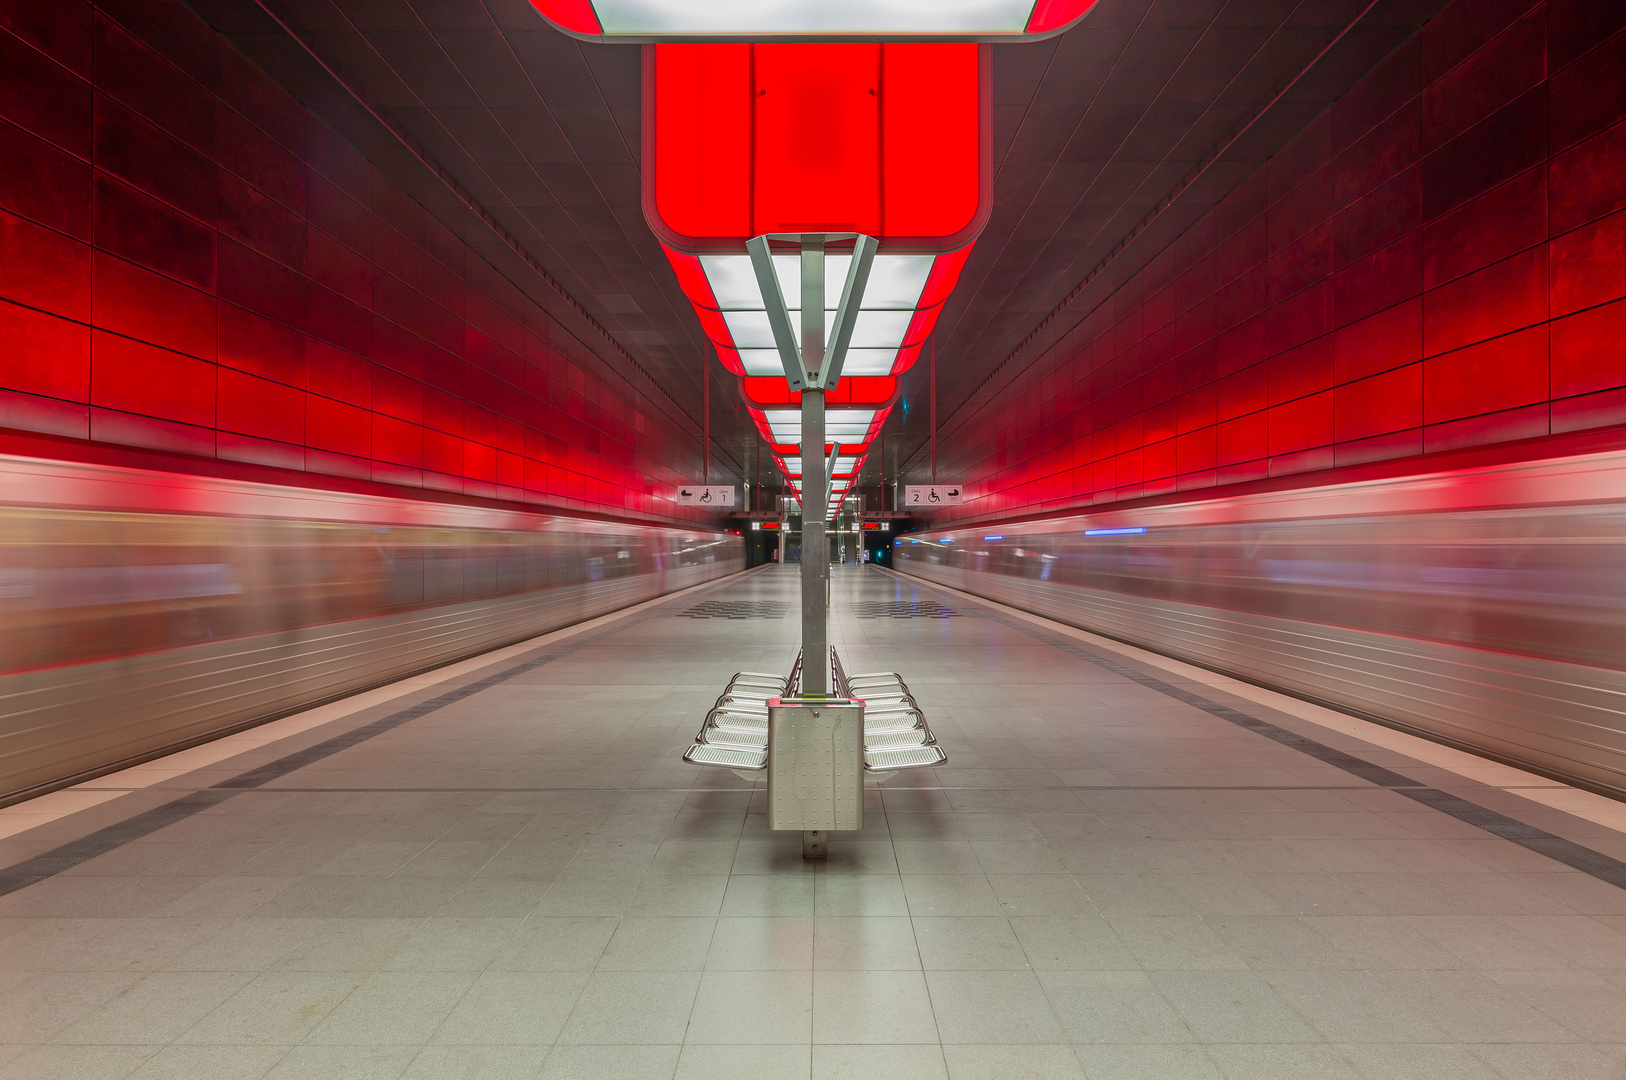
(144, 611)
(1484, 607)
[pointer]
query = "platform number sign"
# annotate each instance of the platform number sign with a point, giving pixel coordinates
(700, 495)
(925, 497)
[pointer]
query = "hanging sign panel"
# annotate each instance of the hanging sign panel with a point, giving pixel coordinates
(929, 495)
(698, 495)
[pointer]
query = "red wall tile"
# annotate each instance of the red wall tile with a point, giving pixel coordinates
(1391, 338)
(43, 268)
(134, 377)
(1584, 181)
(1589, 265)
(1502, 297)
(1589, 350)
(259, 346)
(336, 426)
(1392, 401)
(1302, 424)
(1503, 373)
(44, 354)
(254, 406)
(150, 307)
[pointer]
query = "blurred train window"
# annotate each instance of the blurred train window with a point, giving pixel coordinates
(78, 585)
(1547, 582)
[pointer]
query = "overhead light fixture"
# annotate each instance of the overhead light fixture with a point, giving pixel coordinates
(668, 20)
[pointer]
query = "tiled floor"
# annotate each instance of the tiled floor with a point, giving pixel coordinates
(1102, 882)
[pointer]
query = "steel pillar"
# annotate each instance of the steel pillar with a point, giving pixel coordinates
(812, 369)
(815, 490)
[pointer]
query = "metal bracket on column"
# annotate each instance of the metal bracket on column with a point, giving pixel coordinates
(852, 295)
(784, 338)
(841, 332)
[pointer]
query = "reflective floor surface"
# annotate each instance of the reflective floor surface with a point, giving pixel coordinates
(524, 880)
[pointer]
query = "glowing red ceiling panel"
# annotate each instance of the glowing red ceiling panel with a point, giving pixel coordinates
(890, 140)
(816, 127)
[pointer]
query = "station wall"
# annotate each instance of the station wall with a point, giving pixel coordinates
(1437, 262)
(192, 264)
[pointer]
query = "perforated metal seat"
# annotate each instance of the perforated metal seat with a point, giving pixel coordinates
(745, 728)
(750, 708)
(750, 740)
(880, 740)
(891, 759)
(749, 701)
(727, 757)
(894, 722)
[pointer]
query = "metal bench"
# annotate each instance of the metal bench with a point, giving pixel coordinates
(735, 732)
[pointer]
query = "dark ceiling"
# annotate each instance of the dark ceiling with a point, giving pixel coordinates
(526, 143)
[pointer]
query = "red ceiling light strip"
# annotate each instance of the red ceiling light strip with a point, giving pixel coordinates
(1050, 16)
(940, 282)
(692, 279)
(577, 16)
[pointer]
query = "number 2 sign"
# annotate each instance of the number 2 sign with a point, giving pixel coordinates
(925, 496)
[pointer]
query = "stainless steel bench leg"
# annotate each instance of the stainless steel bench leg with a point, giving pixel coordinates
(815, 844)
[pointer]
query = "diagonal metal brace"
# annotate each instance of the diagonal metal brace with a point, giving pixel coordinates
(852, 295)
(778, 314)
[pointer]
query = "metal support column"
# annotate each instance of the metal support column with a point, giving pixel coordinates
(813, 369)
(815, 491)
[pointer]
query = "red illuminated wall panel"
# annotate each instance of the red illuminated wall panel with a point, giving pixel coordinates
(1437, 262)
(191, 264)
